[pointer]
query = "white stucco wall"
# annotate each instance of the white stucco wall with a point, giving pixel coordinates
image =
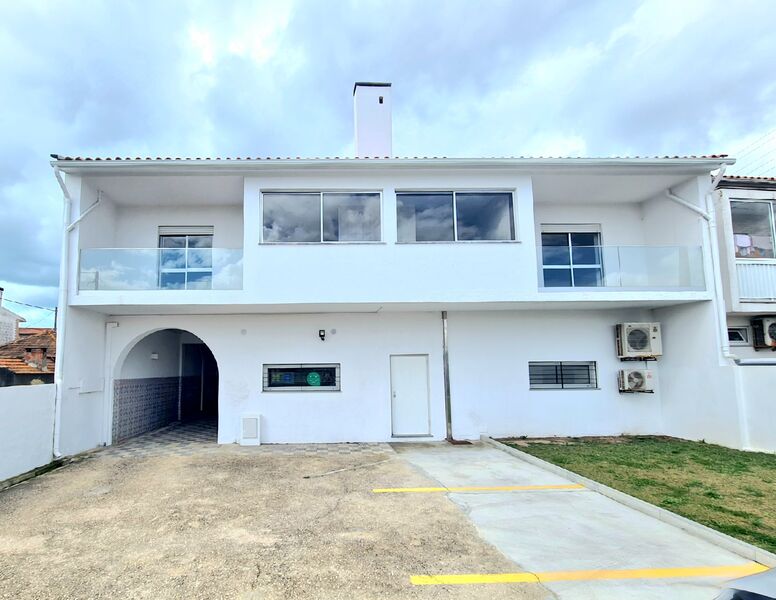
(26, 428)
(698, 391)
(362, 345)
(758, 385)
(166, 345)
(489, 355)
(138, 226)
(83, 420)
(621, 224)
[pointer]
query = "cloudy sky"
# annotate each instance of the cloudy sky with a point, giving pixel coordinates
(220, 78)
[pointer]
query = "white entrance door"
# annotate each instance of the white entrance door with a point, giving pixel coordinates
(409, 395)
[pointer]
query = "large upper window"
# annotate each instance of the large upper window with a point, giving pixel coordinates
(185, 258)
(454, 216)
(753, 232)
(572, 259)
(307, 217)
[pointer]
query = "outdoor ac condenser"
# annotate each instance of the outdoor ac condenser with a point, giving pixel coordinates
(764, 332)
(638, 341)
(636, 380)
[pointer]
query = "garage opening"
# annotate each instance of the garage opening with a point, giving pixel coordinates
(169, 376)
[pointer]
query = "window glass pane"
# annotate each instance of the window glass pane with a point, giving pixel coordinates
(173, 259)
(578, 375)
(172, 241)
(544, 375)
(557, 277)
(172, 281)
(200, 258)
(485, 216)
(292, 217)
(200, 241)
(584, 239)
(199, 280)
(587, 277)
(585, 249)
(351, 217)
(555, 249)
(301, 376)
(752, 229)
(425, 217)
(562, 375)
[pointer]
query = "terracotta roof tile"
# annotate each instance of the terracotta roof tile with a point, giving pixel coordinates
(19, 367)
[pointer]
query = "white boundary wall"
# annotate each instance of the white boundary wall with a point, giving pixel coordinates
(26, 428)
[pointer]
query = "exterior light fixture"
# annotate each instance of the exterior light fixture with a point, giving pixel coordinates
(322, 334)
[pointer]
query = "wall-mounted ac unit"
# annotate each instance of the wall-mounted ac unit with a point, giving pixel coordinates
(638, 341)
(764, 332)
(636, 380)
(250, 430)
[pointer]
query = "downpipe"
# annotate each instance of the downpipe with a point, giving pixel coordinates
(64, 276)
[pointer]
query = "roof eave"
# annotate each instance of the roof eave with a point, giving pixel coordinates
(243, 165)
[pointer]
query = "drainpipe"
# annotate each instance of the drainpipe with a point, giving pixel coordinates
(64, 276)
(62, 301)
(446, 375)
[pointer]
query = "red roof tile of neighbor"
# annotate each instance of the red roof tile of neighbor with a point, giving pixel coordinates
(13, 354)
(61, 157)
(35, 330)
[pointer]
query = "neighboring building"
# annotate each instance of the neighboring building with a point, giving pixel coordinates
(378, 299)
(9, 323)
(30, 359)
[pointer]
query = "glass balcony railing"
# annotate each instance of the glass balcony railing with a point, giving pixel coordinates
(666, 268)
(129, 269)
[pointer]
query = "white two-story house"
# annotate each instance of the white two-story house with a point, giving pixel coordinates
(380, 298)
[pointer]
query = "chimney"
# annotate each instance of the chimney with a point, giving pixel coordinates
(36, 357)
(372, 112)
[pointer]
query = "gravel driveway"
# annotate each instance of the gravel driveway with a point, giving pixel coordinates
(235, 522)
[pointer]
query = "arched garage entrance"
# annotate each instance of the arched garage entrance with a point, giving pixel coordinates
(167, 376)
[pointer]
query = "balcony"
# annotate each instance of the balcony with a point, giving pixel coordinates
(135, 269)
(626, 268)
(756, 280)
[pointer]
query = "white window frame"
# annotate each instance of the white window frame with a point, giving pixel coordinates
(771, 218)
(337, 387)
(568, 229)
(455, 239)
(592, 369)
(320, 193)
(187, 232)
(746, 332)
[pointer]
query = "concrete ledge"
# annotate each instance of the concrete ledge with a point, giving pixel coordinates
(720, 539)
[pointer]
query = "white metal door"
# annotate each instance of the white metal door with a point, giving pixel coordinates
(409, 395)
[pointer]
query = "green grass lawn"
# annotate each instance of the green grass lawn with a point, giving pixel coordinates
(729, 490)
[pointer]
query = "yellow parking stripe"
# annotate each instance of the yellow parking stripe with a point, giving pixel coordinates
(679, 572)
(481, 488)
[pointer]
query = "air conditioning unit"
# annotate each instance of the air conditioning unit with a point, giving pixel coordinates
(638, 341)
(764, 332)
(250, 430)
(636, 380)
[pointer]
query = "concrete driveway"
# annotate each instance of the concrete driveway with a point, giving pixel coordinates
(172, 515)
(582, 544)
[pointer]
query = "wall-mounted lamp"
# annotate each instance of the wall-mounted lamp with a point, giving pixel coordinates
(322, 334)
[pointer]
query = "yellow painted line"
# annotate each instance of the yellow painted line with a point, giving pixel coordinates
(679, 572)
(479, 488)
